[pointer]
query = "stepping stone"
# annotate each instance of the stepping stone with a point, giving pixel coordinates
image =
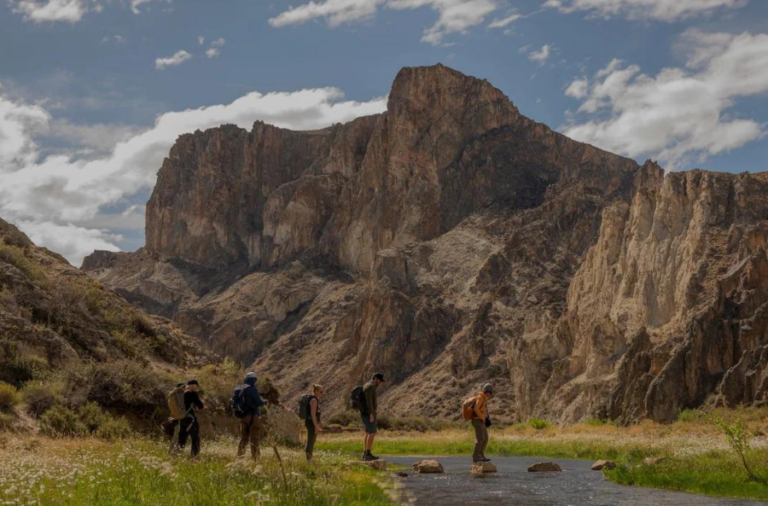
(428, 467)
(545, 467)
(482, 468)
(603, 464)
(379, 465)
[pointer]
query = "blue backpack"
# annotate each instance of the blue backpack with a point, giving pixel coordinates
(241, 404)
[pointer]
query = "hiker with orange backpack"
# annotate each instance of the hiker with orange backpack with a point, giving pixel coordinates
(476, 409)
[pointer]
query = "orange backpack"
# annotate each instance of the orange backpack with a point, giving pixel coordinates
(468, 408)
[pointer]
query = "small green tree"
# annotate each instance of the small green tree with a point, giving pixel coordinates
(738, 440)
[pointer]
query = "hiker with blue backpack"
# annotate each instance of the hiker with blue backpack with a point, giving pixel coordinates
(246, 405)
(309, 412)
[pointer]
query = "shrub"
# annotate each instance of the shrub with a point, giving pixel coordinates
(6, 421)
(114, 428)
(348, 418)
(39, 397)
(690, 415)
(61, 422)
(538, 423)
(9, 397)
(17, 257)
(117, 384)
(92, 416)
(739, 441)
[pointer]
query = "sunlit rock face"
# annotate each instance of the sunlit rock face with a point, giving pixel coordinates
(450, 241)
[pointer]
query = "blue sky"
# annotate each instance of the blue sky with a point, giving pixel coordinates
(93, 92)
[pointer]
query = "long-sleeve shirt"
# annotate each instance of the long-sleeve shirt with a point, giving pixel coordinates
(371, 402)
(191, 402)
(252, 399)
(481, 406)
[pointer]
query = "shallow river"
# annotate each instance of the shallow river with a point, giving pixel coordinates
(577, 485)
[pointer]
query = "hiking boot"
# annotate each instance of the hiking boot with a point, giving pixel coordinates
(373, 457)
(368, 457)
(485, 459)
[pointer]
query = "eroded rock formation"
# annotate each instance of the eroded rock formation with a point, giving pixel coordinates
(451, 240)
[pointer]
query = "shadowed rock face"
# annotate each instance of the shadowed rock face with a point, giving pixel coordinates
(449, 241)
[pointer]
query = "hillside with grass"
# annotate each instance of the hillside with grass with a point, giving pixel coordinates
(67, 341)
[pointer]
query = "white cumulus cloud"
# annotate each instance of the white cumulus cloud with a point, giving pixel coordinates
(454, 16)
(540, 55)
(59, 200)
(70, 11)
(661, 10)
(172, 61)
(681, 114)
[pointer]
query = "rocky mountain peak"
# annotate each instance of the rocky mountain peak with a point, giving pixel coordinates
(449, 241)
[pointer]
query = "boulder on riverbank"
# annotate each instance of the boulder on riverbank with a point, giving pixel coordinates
(428, 467)
(482, 468)
(545, 467)
(603, 464)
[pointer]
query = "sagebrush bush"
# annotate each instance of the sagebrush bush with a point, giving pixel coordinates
(538, 423)
(690, 415)
(120, 384)
(112, 429)
(92, 416)
(61, 422)
(39, 397)
(9, 397)
(348, 418)
(17, 257)
(6, 421)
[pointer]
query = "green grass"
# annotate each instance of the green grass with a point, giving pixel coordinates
(565, 449)
(713, 473)
(139, 473)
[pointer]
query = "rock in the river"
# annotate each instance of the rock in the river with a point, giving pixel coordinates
(545, 467)
(603, 464)
(483, 468)
(428, 467)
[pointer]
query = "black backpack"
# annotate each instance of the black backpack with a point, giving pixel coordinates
(304, 410)
(241, 404)
(357, 399)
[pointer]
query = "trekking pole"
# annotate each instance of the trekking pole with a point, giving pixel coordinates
(280, 462)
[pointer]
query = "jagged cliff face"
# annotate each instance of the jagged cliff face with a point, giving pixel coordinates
(450, 241)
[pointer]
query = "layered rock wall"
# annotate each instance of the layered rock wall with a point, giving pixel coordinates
(451, 241)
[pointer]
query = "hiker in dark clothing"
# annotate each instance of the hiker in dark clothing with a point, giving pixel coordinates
(250, 424)
(369, 414)
(189, 426)
(169, 425)
(312, 423)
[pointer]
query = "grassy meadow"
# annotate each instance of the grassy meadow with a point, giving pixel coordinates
(690, 455)
(83, 472)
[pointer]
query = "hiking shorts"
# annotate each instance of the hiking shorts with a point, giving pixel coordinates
(370, 428)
